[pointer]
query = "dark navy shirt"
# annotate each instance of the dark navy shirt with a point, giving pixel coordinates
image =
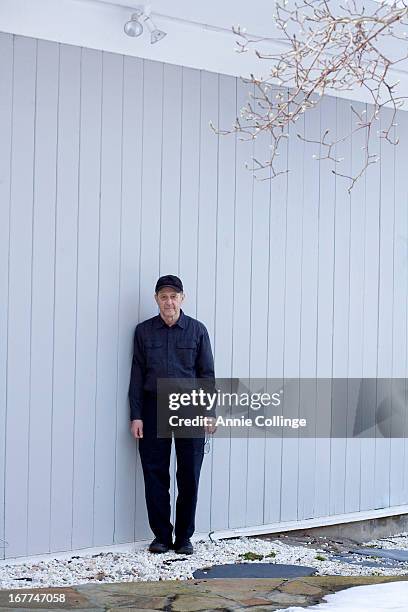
(159, 351)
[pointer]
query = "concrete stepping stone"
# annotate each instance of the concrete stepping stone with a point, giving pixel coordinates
(377, 557)
(353, 560)
(392, 553)
(255, 570)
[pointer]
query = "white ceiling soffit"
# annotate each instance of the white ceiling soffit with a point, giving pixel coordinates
(199, 33)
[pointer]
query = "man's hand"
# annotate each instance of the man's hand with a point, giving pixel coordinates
(211, 427)
(136, 427)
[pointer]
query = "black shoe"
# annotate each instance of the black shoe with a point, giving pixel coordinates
(184, 547)
(159, 547)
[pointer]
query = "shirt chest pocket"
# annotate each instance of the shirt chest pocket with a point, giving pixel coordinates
(186, 353)
(154, 351)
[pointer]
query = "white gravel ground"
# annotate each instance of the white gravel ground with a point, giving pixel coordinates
(399, 541)
(142, 565)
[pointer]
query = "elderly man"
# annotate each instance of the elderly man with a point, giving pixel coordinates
(169, 345)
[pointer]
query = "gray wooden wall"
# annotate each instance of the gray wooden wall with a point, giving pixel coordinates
(110, 176)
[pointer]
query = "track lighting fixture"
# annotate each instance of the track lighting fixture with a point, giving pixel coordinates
(134, 27)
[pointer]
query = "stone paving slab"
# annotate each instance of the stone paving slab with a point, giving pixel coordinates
(336, 583)
(2, 609)
(74, 600)
(254, 570)
(253, 594)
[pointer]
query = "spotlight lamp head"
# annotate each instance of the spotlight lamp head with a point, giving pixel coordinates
(133, 27)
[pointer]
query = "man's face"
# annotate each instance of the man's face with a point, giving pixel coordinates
(169, 301)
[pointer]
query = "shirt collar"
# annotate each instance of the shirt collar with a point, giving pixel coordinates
(181, 322)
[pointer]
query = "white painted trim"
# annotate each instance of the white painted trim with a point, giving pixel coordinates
(99, 25)
(323, 521)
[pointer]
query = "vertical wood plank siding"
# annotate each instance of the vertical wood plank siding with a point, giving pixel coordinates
(110, 176)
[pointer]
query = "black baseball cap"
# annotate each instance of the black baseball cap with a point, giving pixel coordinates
(169, 281)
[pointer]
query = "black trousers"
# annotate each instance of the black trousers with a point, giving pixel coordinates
(155, 459)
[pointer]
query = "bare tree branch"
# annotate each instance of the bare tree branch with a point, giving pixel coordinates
(325, 52)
